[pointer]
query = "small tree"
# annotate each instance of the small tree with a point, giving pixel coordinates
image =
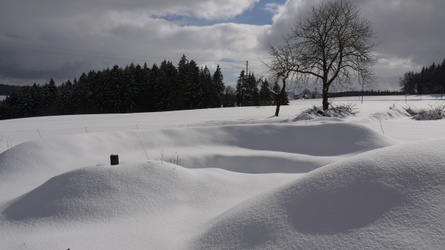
(279, 99)
(241, 89)
(328, 46)
(283, 66)
(265, 94)
(217, 88)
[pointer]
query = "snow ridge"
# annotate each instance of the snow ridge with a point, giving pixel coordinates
(380, 199)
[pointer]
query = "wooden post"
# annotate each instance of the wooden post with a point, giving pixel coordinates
(114, 160)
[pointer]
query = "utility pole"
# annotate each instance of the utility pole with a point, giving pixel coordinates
(247, 67)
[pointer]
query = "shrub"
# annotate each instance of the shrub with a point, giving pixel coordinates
(337, 111)
(434, 113)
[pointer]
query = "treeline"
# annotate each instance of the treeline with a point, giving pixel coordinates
(366, 93)
(138, 88)
(251, 91)
(430, 80)
(9, 89)
(134, 88)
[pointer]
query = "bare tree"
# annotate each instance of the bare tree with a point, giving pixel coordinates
(282, 67)
(329, 45)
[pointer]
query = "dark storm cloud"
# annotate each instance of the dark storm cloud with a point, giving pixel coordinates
(61, 39)
(65, 38)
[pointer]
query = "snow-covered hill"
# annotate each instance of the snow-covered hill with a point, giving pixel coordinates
(233, 178)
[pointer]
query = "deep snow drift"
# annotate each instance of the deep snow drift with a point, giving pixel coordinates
(388, 198)
(225, 179)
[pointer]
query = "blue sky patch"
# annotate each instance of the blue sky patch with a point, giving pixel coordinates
(260, 14)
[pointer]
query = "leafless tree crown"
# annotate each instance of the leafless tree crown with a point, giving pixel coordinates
(331, 44)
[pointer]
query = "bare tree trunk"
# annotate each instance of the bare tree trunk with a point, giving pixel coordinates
(325, 96)
(283, 89)
(277, 110)
(325, 100)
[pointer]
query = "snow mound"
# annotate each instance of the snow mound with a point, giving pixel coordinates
(335, 111)
(129, 189)
(392, 113)
(133, 204)
(304, 117)
(100, 191)
(227, 147)
(387, 198)
(104, 192)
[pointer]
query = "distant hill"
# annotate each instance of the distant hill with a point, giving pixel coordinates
(6, 90)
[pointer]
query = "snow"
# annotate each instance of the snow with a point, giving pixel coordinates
(229, 178)
(386, 198)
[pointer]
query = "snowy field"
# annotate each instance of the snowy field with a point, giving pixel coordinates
(230, 178)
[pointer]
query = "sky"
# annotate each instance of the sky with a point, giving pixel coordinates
(46, 39)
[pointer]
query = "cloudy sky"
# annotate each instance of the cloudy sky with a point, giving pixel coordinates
(45, 39)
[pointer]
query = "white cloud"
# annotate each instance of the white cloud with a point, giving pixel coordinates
(205, 9)
(101, 37)
(409, 33)
(273, 8)
(72, 37)
(390, 68)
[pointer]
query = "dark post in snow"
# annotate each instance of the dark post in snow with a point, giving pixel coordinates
(114, 160)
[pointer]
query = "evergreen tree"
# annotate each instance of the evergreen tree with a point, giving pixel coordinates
(154, 78)
(252, 91)
(9, 89)
(165, 86)
(429, 80)
(114, 89)
(193, 92)
(183, 79)
(441, 77)
(130, 89)
(407, 83)
(49, 98)
(143, 85)
(265, 94)
(63, 99)
(229, 99)
(205, 82)
(217, 90)
(241, 89)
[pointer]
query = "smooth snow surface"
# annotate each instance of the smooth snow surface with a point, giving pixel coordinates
(232, 178)
(388, 198)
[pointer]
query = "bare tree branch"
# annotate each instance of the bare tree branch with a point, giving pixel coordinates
(330, 44)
